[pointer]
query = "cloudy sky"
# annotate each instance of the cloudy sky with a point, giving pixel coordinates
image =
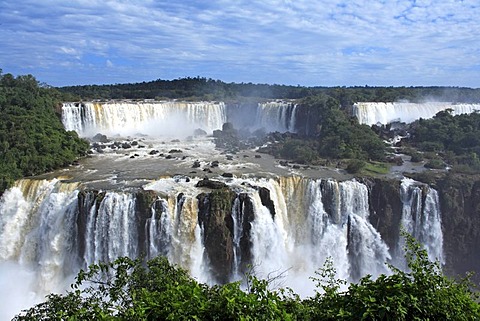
(297, 42)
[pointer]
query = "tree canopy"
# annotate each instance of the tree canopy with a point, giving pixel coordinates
(454, 140)
(209, 89)
(32, 137)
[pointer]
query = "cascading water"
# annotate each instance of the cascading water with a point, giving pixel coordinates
(167, 118)
(295, 225)
(421, 217)
(370, 113)
(50, 228)
(276, 116)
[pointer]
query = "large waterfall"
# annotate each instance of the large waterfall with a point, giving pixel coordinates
(170, 118)
(52, 228)
(144, 201)
(167, 118)
(370, 113)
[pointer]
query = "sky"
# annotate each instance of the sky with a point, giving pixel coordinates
(298, 42)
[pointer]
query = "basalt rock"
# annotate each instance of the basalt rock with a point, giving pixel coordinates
(210, 184)
(214, 214)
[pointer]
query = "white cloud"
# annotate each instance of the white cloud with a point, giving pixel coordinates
(296, 42)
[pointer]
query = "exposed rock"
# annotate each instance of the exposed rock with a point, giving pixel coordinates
(206, 182)
(266, 200)
(126, 145)
(228, 175)
(100, 138)
(199, 132)
(196, 164)
(214, 214)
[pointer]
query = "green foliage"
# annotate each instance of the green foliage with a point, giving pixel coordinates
(422, 293)
(300, 151)
(207, 89)
(32, 137)
(337, 135)
(131, 290)
(455, 138)
(354, 166)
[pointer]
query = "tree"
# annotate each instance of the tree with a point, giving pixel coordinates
(132, 290)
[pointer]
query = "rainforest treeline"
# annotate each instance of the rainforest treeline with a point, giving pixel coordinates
(200, 88)
(32, 137)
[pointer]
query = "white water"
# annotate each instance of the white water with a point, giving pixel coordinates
(421, 217)
(40, 242)
(276, 116)
(39, 225)
(370, 113)
(166, 118)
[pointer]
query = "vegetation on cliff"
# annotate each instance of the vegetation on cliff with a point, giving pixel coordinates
(328, 133)
(129, 290)
(448, 140)
(32, 137)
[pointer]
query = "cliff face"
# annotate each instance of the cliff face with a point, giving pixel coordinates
(460, 204)
(386, 209)
(226, 217)
(214, 215)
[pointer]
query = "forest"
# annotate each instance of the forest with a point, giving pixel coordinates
(199, 88)
(32, 138)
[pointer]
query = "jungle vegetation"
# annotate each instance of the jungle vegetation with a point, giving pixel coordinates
(128, 289)
(201, 88)
(32, 137)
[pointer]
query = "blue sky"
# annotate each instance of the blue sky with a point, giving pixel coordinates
(298, 42)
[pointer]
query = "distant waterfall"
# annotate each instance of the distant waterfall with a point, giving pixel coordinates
(370, 113)
(277, 116)
(149, 118)
(421, 217)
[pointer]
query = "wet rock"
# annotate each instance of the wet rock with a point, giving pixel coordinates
(100, 138)
(196, 164)
(214, 215)
(199, 132)
(174, 151)
(126, 145)
(266, 200)
(228, 175)
(214, 164)
(153, 152)
(206, 182)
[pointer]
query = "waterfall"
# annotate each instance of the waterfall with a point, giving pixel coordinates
(284, 226)
(277, 116)
(370, 113)
(421, 217)
(166, 118)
